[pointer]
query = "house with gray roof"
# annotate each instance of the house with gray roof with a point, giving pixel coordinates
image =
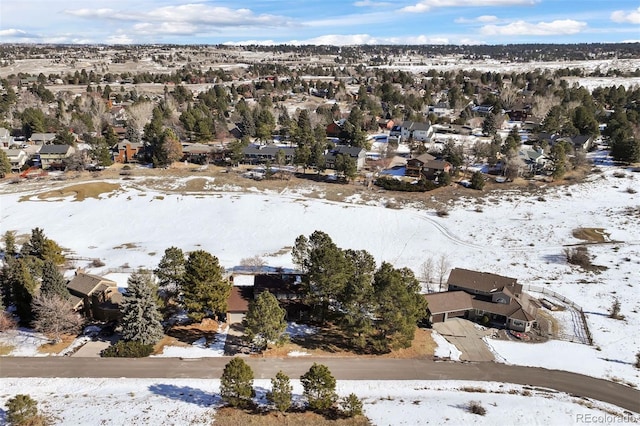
(358, 154)
(421, 132)
(490, 298)
(53, 156)
(260, 154)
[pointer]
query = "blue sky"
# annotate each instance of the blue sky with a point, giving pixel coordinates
(319, 22)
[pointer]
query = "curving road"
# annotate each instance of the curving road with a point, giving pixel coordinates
(342, 368)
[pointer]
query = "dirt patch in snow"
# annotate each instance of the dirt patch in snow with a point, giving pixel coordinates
(79, 192)
(231, 417)
(593, 235)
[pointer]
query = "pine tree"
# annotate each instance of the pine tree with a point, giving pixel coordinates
(477, 181)
(357, 299)
(10, 248)
(170, 271)
(319, 387)
(52, 281)
(205, 291)
(351, 405)
(236, 384)
(43, 248)
(24, 288)
(281, 392)
(140, 316)
(400, 307)
(21, 409)
(265, 321)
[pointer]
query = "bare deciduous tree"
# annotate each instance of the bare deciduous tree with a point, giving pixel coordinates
(426, 271)
(139, 115)
(55, 316)
(442, 267)
(254, 263)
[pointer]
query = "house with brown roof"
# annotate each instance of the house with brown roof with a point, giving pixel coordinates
(489, 298)
(95, 296)
(238, 303)
(126, 151)
(426, 166)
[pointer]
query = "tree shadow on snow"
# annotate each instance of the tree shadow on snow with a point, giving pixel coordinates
(186, 394)
(602, 314)
(555, 258)
(617, 361)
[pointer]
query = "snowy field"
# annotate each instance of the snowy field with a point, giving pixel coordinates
(89, 402)
(515, 233)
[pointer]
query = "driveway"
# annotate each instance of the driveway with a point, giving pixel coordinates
(467, 337)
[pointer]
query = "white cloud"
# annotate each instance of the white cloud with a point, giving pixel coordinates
(95, 13)
(623, 17)
(558, 27)
(13, 32)
(119, 39)
(356, 39)
(484, 19)
(426, 5)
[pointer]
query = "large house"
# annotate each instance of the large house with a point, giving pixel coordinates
(126, 151)
(95, 296)
(259, 154)
(427, 166)
(421, 132)
(17, 158)
(485, 297)
(42, 138)
(359, 155)
(53, 156)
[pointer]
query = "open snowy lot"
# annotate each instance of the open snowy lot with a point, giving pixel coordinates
(88, 402)
(518, 233)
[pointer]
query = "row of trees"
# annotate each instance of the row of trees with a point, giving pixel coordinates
(376, 309)
(236, 389)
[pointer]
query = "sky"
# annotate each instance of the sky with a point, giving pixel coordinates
(335, 22)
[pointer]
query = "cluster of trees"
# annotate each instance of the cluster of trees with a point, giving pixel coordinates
(236, 390)
(376, 309)
(199, 280)
(30, 280)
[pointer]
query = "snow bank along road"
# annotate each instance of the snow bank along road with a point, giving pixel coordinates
(342, 368)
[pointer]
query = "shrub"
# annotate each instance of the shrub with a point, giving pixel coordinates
(637, 364)
(391, 184)
(351, 405)
(477, 181)
(475, 408)
(7, 322)
(281, 392)
(579, 256)
(127, 349)
(630, 190)
(97, 263)
(319, 387)
(442, 212)
(23, 410)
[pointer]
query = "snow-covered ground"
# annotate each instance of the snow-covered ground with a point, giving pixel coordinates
(517, 233)
(80, 402)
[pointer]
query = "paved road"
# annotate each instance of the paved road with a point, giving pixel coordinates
(342, 368)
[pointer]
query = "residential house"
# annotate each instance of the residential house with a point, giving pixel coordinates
(42, 138)
(200, 153)
(17, 157)
(386, 124)
(493, 298)
(421, 132)
(95, 296)
(126, 151)
(535, 160)
(426, 166)
(259, 154)
(238, 303)
(359, 155)
(483, 109)
(441, 109)
(335, 128)
(53, 156)
(579, 142)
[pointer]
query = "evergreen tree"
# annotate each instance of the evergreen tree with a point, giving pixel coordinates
(281, 392)
(319, 387)
(236, 384)
(400, 307)
(21, 410)
(43, 248)
(10, 248)
(559, 160)
(477, 180)
(327, 272)
(23, 288)
(140, 316)
(357, 300)
(170, 271)
(489, 125)
(5, 164)
(351, 405)
(205, 291)
(52, 281)
(265, 321)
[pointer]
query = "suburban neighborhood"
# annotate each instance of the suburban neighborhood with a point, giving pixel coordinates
(326, 221)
